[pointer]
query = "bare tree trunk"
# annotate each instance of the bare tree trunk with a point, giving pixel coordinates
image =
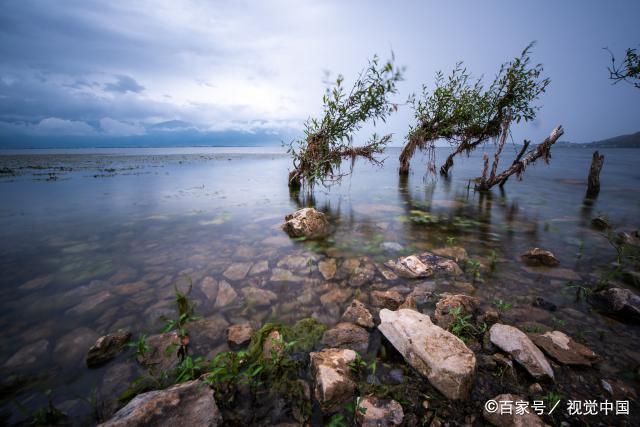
(517, 159)
(501, 142)
(593, 185)
(406, 155)
(543, 150)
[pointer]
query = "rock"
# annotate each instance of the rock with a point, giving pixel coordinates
(89, 303)
(410, 267)
(391, 246)
(409, 303)
(306, 222)
(281, 275)
(328, 268)
(362, 274)
(489, 317)
(510, 418)
(537, 256)
(535, 390)
(237, 271)
(377, 412)
(563, 349)
(107, 347)
(188, 404)
(28, 354)
(357, 313)
(554, 273)
(336, 296)
(209, 287)
(467, 305)
(116, 380)
(386, 299)
(259, 268)
(347, 335)
(70, 349)
(544, 304)
(226, 295)
(296, 262)
(456, 253)
(600, 222)
(333, 382)
(619, 302)
(132, 287)
(438, 355)
(205, 334)
(239, 334)
(160, 358)
(259, 297)
(37, 283)
(272, 345)
(519, 346)
(618, 389)
(386, 273)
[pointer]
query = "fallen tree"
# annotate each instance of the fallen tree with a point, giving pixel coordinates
(328, 141)
(518, 167)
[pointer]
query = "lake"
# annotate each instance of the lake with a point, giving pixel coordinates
(92, 241)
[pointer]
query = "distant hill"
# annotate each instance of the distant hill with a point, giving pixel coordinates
(622, 141)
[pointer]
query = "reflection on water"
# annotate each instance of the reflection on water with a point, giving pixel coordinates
(93, 243)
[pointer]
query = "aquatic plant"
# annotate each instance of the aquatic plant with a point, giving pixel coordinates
(185, 312)
(45, 416)
(328, 141)
(140, 346)
(501, 305)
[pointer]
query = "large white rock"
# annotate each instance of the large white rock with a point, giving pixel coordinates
(519, 346)
(306, 222)
(438, 355)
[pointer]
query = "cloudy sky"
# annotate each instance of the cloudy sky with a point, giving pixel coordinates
(122, 68)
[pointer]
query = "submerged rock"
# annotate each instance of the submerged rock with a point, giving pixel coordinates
(438, 355)
(358, 313)
(71, 348)
(258, 297)
(328, 268)
(386, 299)
(519, 346)
(163, 352)
(563, 349)
(377, 412)
(89, 303)
(600, 222)
(107, 347)
(282, 275)
(205, 334)
(306, 222)
(619, 302)
(423, 265)
(362, 274)
(456, 253)
(347, 335)
(333, 382)
(226, 295)
(336, 296)
(237, 271)
(188, 404)
(259, 268)
(511, 418)
(116, 380)
(467, 305)
(209, 287)
(537, 256)
(239, 334)
(28, 354)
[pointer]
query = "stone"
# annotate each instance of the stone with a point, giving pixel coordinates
(386, 273)
(467, 305)
(188, 404)
(333, 382)
(158, 358)
(358, 313)
(116, 380)
(600, 222)
(28, 355)
(226, 295)
(132, 287)
(544, 304)
(89, 303)
(618, 302)
(535, 390)
(107, 347)
(336, 296)
(386, 299)
(258, 297)
(306, 222)
(209, 287)
(205, 333)
(362, 274)
(436, 354)
(347, 335)
(456, 253)
(410, 267)
(259, 268)
(515, 342)
(272, 345)
(510, 418)
(70, 349)
(282, 275)
(554, 273)
(378, 412)
(562, 348)
(239, 334)
(237, 271)
(300, 263)
(409, 303)
(37, 283)
(328, 268)
(537, 256)
(391, 246)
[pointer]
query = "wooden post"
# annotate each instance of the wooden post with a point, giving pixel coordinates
(593, 181)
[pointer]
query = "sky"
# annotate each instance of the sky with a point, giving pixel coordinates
(114, 71)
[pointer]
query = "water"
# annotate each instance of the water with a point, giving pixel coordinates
(94, 241)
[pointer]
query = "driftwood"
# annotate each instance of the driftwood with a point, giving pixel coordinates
(518, 167)
(525, 145)
(593, 181)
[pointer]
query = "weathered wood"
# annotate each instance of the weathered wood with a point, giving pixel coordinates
(525, 145)
(543, 150)
(593, 181)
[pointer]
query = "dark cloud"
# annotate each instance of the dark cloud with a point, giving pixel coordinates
(124, 84)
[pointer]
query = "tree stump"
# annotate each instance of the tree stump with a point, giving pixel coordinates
(593, 181)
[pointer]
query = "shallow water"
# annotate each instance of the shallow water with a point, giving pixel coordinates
(90, 243)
